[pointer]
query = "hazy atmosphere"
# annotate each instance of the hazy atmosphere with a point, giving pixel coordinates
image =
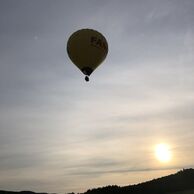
(61, 134)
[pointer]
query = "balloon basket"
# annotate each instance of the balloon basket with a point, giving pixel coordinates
(87, 79)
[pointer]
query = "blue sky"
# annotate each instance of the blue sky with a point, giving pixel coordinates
(61, 134)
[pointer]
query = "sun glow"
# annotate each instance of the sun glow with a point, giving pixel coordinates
(163, 153)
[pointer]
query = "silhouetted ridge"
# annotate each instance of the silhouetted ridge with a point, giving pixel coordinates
(181, 181)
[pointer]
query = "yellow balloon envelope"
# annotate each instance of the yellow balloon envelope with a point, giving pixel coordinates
(87, 49)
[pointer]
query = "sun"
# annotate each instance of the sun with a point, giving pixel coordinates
(163, 153)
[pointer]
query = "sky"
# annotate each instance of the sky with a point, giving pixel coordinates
(61, 134)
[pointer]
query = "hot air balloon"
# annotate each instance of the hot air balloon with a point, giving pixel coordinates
(87, 49)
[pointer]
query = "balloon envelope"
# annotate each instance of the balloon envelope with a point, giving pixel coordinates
(87, 49)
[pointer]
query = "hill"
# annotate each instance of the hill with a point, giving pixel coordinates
(183, 192)
(181, 181)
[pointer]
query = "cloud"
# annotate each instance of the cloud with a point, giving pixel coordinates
(56, 126)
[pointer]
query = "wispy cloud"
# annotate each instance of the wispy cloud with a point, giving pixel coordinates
(60, 134)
